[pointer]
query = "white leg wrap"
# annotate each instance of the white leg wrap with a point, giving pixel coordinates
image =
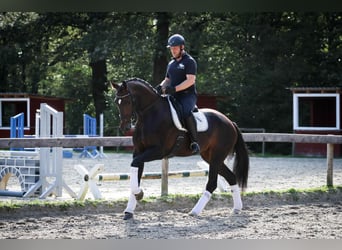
(133, 181)
(236, 197)
(132, 203)
(201, 203)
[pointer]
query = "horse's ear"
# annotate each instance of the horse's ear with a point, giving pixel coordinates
(114, 85)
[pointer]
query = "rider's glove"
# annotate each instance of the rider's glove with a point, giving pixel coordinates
(159, 89)
(169, 90)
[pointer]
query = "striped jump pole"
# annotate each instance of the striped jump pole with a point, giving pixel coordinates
(152, 175)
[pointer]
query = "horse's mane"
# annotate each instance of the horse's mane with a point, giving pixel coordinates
(136, 79)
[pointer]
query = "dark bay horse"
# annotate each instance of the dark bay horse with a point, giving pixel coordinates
(156, 137)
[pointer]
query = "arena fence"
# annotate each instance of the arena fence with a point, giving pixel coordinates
(119, 141)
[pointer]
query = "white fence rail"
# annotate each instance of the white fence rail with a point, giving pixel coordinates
(117, 141)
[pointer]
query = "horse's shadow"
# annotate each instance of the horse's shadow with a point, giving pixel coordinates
(181, 225)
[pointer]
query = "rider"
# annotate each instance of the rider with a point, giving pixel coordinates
(180, 83)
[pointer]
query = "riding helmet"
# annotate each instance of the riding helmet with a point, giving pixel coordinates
(175, 40)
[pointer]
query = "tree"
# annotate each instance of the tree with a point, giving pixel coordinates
(248, 59)
(160, 55)
(22, 57)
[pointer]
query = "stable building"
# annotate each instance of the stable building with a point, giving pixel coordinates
(316, 110)
(12, 104)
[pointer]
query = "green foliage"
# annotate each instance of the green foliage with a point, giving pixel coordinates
(111, 115)
(248, 59)
(71, 80)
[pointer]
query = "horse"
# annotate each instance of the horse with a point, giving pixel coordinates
(156, 137)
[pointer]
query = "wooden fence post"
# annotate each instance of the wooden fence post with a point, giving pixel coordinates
(164, 177)
(330, 160)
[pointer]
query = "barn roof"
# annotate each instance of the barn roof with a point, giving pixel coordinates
(32, 96)
(316, 89)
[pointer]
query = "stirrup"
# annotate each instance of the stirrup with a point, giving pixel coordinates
(195, 149)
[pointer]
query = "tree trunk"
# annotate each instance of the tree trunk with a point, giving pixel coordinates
(98, 84)
(3, 78)
(160, 54)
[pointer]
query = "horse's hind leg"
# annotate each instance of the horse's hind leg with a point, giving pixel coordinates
(231, 179)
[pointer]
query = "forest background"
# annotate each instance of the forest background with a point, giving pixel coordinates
(250, 60)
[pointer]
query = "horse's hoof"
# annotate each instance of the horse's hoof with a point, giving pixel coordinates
(128, 216)
(236, 211)
(193, 214)
(139, 195)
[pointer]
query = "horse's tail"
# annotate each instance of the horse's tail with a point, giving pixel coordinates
(241, 162)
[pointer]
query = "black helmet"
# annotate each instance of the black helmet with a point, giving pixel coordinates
(175, 40)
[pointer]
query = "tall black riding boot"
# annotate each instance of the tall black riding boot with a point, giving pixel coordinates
(190, 124)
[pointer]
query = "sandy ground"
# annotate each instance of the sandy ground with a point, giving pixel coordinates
(303, 216)
(264, 217)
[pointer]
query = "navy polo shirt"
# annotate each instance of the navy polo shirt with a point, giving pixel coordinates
(177, 71)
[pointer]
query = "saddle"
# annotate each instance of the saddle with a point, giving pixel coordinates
(178, 118)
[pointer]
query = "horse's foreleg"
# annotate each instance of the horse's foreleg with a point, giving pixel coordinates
(131, 204)
(136, 192)
(134, 181)
(137, 168)
(136, 171)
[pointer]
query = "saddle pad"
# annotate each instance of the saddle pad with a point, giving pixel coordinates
(201, 119)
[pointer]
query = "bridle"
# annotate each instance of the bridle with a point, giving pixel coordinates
(122, 96)
(118, 100)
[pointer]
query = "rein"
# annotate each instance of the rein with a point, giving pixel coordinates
(133, 101)
(149, 106)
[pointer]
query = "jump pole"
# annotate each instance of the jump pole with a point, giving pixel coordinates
(152, 175)
(11, 193)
